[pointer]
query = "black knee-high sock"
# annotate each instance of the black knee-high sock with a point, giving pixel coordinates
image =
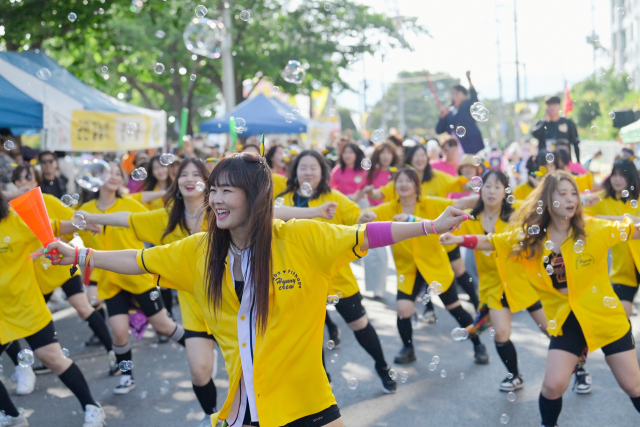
(100, 310)
(6, 405)
(549, 410)
(13, 350)
(99, 327)
(464, 319)
(123, 354)
(466, 282)
(406, 331)
(507, 352)
(636, 402)
(368, 339)
(207, 396)
(330, 325)
(167, 298)
(76, 382)
(178, 335)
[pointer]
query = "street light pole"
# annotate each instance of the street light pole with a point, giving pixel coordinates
(228, 75)
(503, 130)
(515, 24)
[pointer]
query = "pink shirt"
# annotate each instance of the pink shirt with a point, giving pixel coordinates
(443, 166)
(380, 179)
(349, 181)
(576, 168)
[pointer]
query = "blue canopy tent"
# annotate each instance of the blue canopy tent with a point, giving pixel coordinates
(262, 114)
(17, 110)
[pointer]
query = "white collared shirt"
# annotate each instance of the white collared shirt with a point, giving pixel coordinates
(247, 340)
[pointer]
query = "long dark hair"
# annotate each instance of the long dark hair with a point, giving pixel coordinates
(627, 169)
(151, 181)
(175, 204)
(4, 206)
(251, 174)
(561, 159)
(270, 153)
(527, 216)
(293, 184)
(428, 171)
(505, 209)
(357, 166)
(413, 176)
(375, 160)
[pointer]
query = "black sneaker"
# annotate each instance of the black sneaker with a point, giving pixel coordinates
(93, 341)
(126, 385)
(406, 355)
(163, 339)
(429, 316)
(512, 384)
(389, 385)
(582, 383)
(41, 370)
(480, 354)
(334, 335)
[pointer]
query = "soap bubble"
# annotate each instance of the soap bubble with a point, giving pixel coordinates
(461, 131)
(279, 202)
(200, 186)
(511, 396)
(7, 239)
(139, 174)
(595, 130)
(332, 112)
(461, 375)
(245, 15)
(65, 353)
(475, 183)
(578, 246)
(611, 302)
(306, 190)
(633, 204)
(612, 115)
(540, 203)
(203, 37)
(9, 145)
(534, 229)
(400, 278)
(154, 295)
(293, 72)
(393, 374)
(624, 236)
(289, 118)
(561, 112)
(479, 112)
(432, 366)
(25, 358)
(78, 221)
(104, 69)
(549, 269)
(552, 324)
(166, 159)
(504, 419)
(201, 11)
(404, 376)
(476, 161)
(125, 365)
(67, 200)
(131, 128)
(377, 135)
(435, 359)
(507, 190)
(550, 157)
(511, 199)
(327, 7)
(330, 344)
(160, 34)
(443, 374)
(425, 299)
(192, 77)
(241, 125)
(43, 74)
(435, 288)
(548, 245)
(625, 193)
(539, 210)
(631, 81)
(459, 334)
(352, 383)
(159, 68)
(366, 164)
(72, 17)
(556, 204)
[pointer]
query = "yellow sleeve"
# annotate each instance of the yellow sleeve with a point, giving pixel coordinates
(503, 242)
(174, 265)
(388, 191)
(435, 204)
(349, 210)
(135, 196)
(611, 232)
(149, 226)
(279, 184)
(384, 212)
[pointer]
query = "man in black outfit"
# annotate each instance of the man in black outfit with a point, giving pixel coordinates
(554, 127)
(51, 182)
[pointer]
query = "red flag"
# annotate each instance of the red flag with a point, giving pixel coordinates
(568, 104)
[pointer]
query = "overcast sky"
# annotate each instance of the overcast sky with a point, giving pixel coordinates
(551, 42)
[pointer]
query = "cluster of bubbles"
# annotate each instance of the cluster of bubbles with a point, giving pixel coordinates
(43, 74)
(77, 220)
(434, 361)
(241, 125)
(9, 145)
(293, 72)
(139, 174)
(459, 334)
(479, 112)
(125, 365)
(166, 159)
(25, 358)
(533, 230)
(461, 131)
(332, 299)
(279, 202)
(203, 37)
(434, 289)
(377, 135)
(306, 190)
(611, 302)
(70, 200)
(366, 164)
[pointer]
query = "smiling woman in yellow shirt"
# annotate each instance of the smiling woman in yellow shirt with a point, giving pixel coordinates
(263, 285)
(308, 186)
(567, 265)
(420, 262)
(24, 314)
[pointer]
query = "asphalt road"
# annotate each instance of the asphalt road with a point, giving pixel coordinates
(457, 393)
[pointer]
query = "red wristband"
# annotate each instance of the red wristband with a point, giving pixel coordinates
(75, 262)
(470, 241)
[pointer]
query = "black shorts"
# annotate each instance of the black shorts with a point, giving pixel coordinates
(44, 336)
(194, 334)
(624, 292)
(535, 307)
(120, 303)
(448, 297)
(573, 341)
(454, 254)
(71, 287)
(351, 308)
(322, 418)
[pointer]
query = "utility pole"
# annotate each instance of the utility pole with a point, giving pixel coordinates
(503, 130)
(515, 24)
(383, 103)
(402, 126)
(228, 75)
(364, 82)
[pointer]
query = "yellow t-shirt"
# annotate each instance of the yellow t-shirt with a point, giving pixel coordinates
(23, 311)
(522, 191)
(623, 268)
(347, 213)
(149, 227)
(288, 357)
(587, 282)
(114, 239)
(279, 183)
(425, 253)
(440, 185)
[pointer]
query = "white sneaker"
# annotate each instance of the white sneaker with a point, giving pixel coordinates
(94, 416)
(214, 372)
(26, 379)
(206, 421)
(126, 385)
(19, 421)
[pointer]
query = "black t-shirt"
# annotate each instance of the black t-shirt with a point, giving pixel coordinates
(559, 276)
(239, 285)
(56, 187)
(562, 129)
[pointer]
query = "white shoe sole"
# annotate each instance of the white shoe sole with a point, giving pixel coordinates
(510, 389)
(582, 391)
(123, 391)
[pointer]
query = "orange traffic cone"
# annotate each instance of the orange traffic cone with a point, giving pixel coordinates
(30, 206)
